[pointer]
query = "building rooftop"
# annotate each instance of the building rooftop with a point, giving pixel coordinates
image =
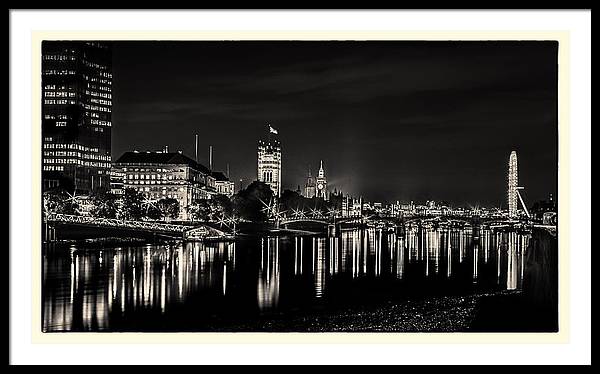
(270, 143)
(219, 176)
(173, 158)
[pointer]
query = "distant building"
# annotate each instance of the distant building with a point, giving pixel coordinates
(269, 162)
(540, 209)
(378, 207)
(310, 189)
(76, 115)
(352, 207)
(116, 181)
(321, 182)
(336, 200)
(223, 185)
(395, 209)
(160, 175)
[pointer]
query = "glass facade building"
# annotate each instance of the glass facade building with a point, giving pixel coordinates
(76, 115)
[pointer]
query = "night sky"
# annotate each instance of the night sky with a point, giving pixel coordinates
(390, 120)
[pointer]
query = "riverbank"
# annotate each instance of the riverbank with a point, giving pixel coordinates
(431, 314)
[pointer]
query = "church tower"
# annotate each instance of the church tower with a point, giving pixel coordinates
(310, 190)
(322, 184)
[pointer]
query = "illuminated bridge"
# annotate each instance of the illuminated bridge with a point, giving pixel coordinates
(287, 221)
(176, 230)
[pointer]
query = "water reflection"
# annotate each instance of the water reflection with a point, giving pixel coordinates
(269, 274)
(130, 279)
(320, 267)
(92, 290)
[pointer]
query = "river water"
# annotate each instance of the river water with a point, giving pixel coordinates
(226, 286)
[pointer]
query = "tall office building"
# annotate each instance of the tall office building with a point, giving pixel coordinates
(269, 162)
(76, 115)
(513, 182)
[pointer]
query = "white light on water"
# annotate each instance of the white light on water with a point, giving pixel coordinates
(224, 279)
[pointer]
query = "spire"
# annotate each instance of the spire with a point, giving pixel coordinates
(321, 171)
(309, 171)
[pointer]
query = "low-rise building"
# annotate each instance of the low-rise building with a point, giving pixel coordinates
(161, 175)
(223, 185)
(352, 207)
(116, 181)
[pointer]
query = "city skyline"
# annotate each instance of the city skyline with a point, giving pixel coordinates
(158, 199)
(434, 113)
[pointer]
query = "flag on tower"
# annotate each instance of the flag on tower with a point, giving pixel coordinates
(272, 130)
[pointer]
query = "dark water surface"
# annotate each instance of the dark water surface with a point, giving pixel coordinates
(217, 286)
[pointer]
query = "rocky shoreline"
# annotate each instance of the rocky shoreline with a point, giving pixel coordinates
(431, 314)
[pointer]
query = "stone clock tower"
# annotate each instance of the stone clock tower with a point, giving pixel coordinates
(321, 184)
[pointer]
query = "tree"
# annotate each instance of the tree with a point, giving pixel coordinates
(248, 203)
(220, 205)
(200, 210)
(104, 205)
(168, 208)
(132, 205)
(291, 200)
(60, 201)
(152, 210)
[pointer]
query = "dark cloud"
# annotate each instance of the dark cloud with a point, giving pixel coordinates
(391, 120)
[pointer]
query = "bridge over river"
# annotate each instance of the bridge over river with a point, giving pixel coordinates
(167, 229)
(335, 223)
(212, 231)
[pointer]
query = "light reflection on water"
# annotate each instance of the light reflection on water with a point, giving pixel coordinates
(93, 290)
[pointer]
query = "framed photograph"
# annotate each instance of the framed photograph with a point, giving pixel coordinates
(300, 187)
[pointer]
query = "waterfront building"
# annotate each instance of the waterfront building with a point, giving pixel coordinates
(321, 184)
(223, 185)
(395, 209)
(336, 200)
(116, 181)
(310, 189)
(344, 206)
(76, 115)
(540, 208)
(160, 175)
(269, 162)
(408, 209)
(351, 206)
